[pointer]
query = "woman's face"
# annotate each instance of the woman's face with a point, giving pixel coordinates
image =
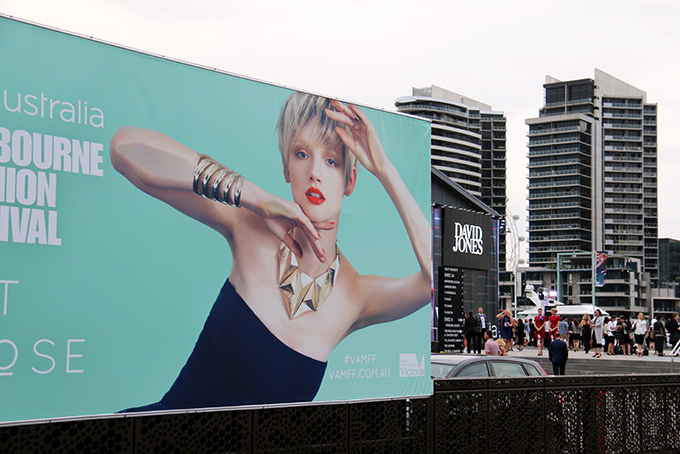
(316, 174)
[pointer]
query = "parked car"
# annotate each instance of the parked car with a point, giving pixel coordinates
(449, 366)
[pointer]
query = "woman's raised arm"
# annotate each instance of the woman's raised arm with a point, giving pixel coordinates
(389, 299)
(164, 168)
(150, 159)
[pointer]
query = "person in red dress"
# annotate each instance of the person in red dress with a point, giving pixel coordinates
(554, 323)
(539, 325)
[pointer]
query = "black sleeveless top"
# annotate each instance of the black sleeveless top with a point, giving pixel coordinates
(238, 361)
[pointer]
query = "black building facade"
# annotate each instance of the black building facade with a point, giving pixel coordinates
(465, 260)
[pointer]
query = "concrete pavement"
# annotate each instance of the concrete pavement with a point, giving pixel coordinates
(581, 364)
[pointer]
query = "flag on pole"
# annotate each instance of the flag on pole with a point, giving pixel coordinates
(600, 268)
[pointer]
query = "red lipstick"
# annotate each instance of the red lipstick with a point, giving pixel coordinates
(315, 196)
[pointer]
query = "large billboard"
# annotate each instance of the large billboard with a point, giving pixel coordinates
(173, 237)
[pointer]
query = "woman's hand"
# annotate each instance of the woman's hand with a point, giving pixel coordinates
(280, 216)
(364, 142)
(387, 299)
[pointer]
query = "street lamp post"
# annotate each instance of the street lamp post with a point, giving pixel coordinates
(513, 240)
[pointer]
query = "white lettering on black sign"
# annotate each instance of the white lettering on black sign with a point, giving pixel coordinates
(468, 239)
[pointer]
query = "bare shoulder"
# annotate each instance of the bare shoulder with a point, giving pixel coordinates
(358, 289)
(349, 278)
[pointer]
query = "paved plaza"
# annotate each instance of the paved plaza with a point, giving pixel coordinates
(581, 364)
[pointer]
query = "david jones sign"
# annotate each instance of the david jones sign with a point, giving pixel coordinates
(467, 239)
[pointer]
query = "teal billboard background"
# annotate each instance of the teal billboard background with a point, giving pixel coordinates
(101, 300)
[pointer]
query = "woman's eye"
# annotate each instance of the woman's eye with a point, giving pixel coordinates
(331, 162)
(301, 154)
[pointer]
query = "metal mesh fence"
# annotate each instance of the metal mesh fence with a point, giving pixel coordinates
(574, 415)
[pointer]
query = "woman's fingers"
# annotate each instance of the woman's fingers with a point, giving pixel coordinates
(280, 216)
(312, 235)
(341, 113)
(324, 225)
(293, 245)
(347, 114)
(340, 117)
(363, 141)
(347, 140)
(296, 218)
(360, 113)
(306, 225)
(316, 247)
(281, 229)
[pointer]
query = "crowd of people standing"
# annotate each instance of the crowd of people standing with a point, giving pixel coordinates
(607, 335)
(598, 333)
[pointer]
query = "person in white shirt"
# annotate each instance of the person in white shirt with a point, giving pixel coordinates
(611, 339)
(640, 328)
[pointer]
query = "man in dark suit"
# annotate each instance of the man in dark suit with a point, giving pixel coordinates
(659, 335)
(559, 353)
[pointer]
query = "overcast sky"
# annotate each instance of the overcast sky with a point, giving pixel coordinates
(373, 52)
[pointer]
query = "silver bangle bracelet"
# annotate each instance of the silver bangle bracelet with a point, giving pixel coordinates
(207, 170)
(237, 191)
(226, 189)
(219, 176)
(205, 178)
(199, 167)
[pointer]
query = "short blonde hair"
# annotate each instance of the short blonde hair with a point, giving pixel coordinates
(298, 110)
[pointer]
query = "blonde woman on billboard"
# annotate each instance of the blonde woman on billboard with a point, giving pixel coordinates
(291, 295)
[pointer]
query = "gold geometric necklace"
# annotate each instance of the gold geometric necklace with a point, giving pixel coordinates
(304, 294)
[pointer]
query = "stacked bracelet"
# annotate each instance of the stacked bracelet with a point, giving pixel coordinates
(209, 175)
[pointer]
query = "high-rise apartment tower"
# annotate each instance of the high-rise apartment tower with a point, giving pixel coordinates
(468, 144)
(593, 172)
